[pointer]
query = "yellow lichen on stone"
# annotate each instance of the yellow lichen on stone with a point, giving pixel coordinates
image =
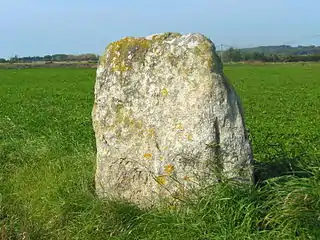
(169, 169)
(147, 156)
(161, 158)
(179, 126)
(164, 92)
(161, 179)
(189, 137)
(151, 132)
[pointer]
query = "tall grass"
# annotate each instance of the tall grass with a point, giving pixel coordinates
(47, 159)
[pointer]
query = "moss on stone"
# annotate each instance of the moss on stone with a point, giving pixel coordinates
(205, 49)
(122, 53)
(164, 36)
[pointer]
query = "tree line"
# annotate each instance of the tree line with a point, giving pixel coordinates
(230, 55)
(237, 55)
(53, 58)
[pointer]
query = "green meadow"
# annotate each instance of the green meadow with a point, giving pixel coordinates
(47, 163)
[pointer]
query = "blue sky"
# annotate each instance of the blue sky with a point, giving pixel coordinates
(40, 27)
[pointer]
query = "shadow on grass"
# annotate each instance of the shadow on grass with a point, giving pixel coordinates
(282, 163)
(124, 212)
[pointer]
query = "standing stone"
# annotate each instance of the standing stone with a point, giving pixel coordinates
(166, 119)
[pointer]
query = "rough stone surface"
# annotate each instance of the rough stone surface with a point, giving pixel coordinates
(166, 120)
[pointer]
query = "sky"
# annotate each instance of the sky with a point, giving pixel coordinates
(41, 27)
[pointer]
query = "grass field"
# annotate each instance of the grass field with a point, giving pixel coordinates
(47, 159)
(42, 64)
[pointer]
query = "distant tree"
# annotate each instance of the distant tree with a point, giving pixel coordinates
(246, 56)
(2, 60)
(60, 57)
(47, 58)
(233, 55)
(257, 56)
(271, 58)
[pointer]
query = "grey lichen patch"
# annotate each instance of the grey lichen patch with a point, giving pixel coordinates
(173, 60)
